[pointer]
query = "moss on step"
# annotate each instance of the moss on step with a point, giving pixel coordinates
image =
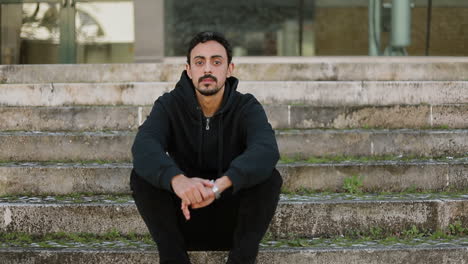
(455, 235)
(412, 194)
(364, 159)
(303, 195)
(59, 162)
(110, 239)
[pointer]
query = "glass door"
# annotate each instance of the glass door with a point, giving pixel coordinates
(66, 31)
(37, 30)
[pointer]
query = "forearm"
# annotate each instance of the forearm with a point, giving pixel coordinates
(149, 150)
(152, 163)
(253, 166)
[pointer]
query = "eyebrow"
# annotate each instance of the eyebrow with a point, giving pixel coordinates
(203, 57)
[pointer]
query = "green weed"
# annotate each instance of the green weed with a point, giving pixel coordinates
(457, 228)
(353, 184)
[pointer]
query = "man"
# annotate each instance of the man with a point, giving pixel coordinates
(204, 174)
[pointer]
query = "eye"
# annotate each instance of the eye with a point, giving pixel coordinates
(217, 62)
(199, 62)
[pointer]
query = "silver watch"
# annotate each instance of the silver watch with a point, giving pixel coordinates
(216, 191)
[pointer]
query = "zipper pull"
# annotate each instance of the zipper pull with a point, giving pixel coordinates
(208, 124)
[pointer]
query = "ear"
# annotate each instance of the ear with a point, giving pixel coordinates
(230, 69)
(187, 68)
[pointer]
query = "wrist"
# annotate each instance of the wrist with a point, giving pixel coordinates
(216, 190)
(176, 179)
(223, 183)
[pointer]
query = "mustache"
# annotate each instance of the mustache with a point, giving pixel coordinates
(206, 77)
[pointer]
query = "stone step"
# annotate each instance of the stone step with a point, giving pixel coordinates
(302, 216)
(115, 145)
(377, 176)
(423, 143)
(272, 69)
(323, 93)
(96, 118)
(419, 253)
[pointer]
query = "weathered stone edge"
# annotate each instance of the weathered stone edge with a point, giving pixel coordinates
(395, 176)
(96, 118)
(320, 68)
(403, 255)
(271, 92)
(115, 146)
(302, 219)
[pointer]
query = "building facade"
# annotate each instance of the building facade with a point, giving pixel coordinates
(125, 31)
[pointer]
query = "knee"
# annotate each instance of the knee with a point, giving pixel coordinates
(273, 183)
(275, 179)
(134, 180)
(138, 184)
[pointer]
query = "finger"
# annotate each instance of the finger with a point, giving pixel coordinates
(202, 204)
(208, 183)
(191, 197)
(199, 205)
(198, 193)
(186, 211)
(205, 182)
(207, 193)
(195, 197)
(185, 199)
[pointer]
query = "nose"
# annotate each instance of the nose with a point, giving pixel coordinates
(207, 68)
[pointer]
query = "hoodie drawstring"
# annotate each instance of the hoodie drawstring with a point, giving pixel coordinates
(200, 144)
(220, 145)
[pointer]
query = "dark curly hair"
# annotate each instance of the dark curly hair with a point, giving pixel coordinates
(205, 36)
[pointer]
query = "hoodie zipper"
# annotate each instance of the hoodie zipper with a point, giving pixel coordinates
(207, 123)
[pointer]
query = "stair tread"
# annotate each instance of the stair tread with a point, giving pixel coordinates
(285, 198)
(315, 244)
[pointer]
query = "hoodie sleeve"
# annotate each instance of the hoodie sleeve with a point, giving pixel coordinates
(150, 160)
(258, 160)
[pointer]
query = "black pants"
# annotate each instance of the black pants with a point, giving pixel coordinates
(235, 222)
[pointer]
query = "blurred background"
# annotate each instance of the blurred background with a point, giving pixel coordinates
(77, 31)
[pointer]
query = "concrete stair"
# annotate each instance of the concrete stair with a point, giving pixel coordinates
(67, 130)
(116, 145)
(298, 215)
(254, 69)
(286, 116)
(316, 93)
(456, 254)
(39, 178)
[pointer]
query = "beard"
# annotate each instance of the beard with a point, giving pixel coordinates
(207, 91)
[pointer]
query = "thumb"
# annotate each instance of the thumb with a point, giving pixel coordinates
(185, 211)
(208, 183)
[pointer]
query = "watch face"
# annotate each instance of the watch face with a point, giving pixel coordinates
(216, 191)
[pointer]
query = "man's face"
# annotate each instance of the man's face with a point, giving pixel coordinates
(209, 67)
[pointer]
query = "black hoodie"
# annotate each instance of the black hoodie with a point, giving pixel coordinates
(176, 138)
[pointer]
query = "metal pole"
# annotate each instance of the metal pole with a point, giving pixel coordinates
(301, 25)
(375, 23)
(401, 23)
(67, 48)
(428, 26)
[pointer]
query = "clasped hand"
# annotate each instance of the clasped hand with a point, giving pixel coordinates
(194, 192)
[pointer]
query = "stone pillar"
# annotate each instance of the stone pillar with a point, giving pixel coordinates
(149, 30)
(10, 30)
